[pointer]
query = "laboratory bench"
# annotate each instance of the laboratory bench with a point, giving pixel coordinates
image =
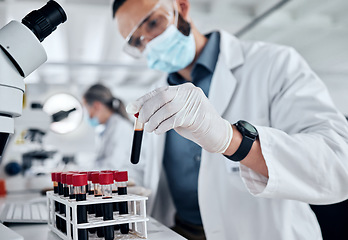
(40, 231)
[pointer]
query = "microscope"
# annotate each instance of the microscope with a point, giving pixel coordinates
(21, 53)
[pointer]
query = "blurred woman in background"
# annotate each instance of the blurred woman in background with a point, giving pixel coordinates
(114, 141)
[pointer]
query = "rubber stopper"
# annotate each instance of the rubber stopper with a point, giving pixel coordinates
(79, 180)
(89, 175)
(63, 178)
(122, 176)
(115, 172)
(95, 177)
(136, 115)
(58, 176)
(54, 177)
(69, 178)
(106, 178)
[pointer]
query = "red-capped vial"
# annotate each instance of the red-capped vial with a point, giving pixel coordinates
(80, 185)
(61, 223)
(122, 179)
(71, 192)
(69, 182)
(97, 188)
(90, 183)
(106, 180)
(60, 185)
(114, 186)
(65, 185)
(84, 172)
(56, 204)
(98, 207)
(114, 191)
(55, 183)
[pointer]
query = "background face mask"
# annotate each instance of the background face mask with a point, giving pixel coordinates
(94, 122)
(171, 51)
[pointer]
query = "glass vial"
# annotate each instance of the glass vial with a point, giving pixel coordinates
(106, 180)
(80, 186)
(122, 179)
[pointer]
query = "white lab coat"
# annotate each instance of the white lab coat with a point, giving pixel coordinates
(114, 144)
(303, 140)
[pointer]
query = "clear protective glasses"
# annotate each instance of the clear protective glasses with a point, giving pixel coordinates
(152, 25)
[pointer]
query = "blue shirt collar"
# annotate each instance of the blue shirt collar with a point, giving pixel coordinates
(210, 53)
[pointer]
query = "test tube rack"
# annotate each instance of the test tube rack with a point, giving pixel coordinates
(136, 217)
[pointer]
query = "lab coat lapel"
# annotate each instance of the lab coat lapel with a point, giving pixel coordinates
(223, 82)
(220, 95)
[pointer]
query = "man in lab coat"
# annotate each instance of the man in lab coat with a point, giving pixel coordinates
(249, 180)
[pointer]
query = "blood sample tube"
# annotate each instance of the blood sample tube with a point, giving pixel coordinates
(137, 139)
(122, 179)
(71, 188)
(61, 205)
(66, 192)
(90, 183)
(115, 205)
(106, 180)
(69, 182)
(114, 191)
(55, 183)
(56, 204)
(80, 183)
(114, 185)
(84, 172)
(90, 208)
(95, 181)
(65, 185)
(55, 189)
(98, 207)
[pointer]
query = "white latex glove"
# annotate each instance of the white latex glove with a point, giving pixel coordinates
(186, 109)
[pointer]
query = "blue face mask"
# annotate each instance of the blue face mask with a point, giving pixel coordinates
(171, 51)
(94, 122)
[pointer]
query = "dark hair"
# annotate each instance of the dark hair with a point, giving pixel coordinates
(99, 92)
(116, 5)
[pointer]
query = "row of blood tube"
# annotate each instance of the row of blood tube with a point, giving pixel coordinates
(103, 184)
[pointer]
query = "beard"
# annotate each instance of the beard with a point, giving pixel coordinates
(183, 26)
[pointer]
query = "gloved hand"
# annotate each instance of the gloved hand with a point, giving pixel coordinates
(186, 109)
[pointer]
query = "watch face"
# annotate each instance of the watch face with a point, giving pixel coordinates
(250, 128)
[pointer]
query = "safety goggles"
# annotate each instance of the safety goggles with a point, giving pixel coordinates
(151, 25)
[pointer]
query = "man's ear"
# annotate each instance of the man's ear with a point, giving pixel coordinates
(184, 8)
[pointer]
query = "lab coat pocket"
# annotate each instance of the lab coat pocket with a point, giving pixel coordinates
(231, 166)
(233, 175)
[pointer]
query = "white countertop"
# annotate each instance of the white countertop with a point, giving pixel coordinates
(156, 230)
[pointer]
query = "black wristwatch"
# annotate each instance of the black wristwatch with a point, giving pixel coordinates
(249, 134)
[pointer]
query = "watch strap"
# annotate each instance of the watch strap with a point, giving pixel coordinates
(243, 149)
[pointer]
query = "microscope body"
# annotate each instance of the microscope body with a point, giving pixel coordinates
(20, 54)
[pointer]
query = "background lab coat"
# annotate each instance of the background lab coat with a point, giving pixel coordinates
(114, 144)
(303, 139)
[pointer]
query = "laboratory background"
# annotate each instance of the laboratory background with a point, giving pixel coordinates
(87, 49)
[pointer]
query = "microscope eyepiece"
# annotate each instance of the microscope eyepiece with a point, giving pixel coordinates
(44, 21)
